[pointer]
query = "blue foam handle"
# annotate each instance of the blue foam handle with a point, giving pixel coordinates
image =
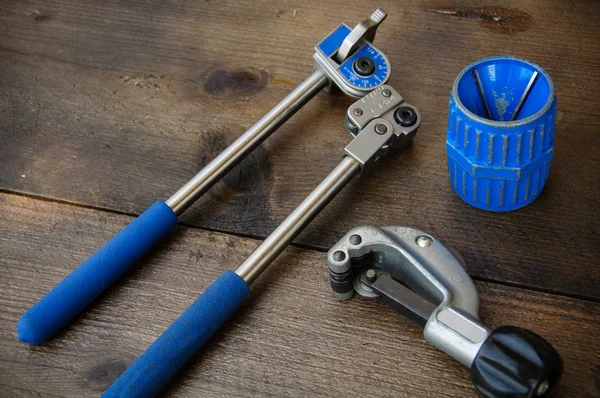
(67, 299)
(155, 367)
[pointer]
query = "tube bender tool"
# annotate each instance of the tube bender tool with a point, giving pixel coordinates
(378, 122)
(345, 59)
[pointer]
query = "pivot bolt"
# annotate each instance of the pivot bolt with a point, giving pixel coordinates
(357, 112)
(355, 239)
(339, 255)
(381, 129)
(371, 275)
(424, 241)
(386, 93)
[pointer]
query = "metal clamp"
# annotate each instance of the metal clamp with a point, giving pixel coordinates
(383, 120)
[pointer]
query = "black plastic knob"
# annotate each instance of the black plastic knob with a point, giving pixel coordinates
(364, 66)
(405, 116)
(515, 362)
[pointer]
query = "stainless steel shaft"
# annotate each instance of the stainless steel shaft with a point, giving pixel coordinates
(241, 147)
(275, 243)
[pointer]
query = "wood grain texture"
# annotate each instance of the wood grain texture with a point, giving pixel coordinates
(290, 339)
(116, 104)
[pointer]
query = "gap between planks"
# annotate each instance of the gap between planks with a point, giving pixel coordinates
(293, 244)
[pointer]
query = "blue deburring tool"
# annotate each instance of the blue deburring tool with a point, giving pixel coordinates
(500, 138)
(346, 60)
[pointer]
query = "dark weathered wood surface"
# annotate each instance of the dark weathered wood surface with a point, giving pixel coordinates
(291, 339)
(107, 106)
(116, 104)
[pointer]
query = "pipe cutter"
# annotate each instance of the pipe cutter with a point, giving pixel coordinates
(418, 276)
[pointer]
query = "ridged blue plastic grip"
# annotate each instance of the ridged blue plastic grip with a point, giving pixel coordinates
(67, 299)
(499, 158)
(153, 369)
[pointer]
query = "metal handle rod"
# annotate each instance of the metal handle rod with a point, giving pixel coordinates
(275, 243)
(242, 146)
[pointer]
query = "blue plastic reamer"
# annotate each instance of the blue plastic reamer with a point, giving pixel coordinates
(500, 138)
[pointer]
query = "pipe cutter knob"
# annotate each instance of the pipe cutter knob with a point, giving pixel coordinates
(515, 363)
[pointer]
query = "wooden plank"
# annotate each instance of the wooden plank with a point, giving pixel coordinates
(116, 104)
(290, 339)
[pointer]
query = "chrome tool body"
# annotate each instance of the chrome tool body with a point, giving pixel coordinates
(379, 122)
(360, 69)
(418, 276)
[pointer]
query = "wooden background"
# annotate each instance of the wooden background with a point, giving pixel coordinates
(107, 106)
